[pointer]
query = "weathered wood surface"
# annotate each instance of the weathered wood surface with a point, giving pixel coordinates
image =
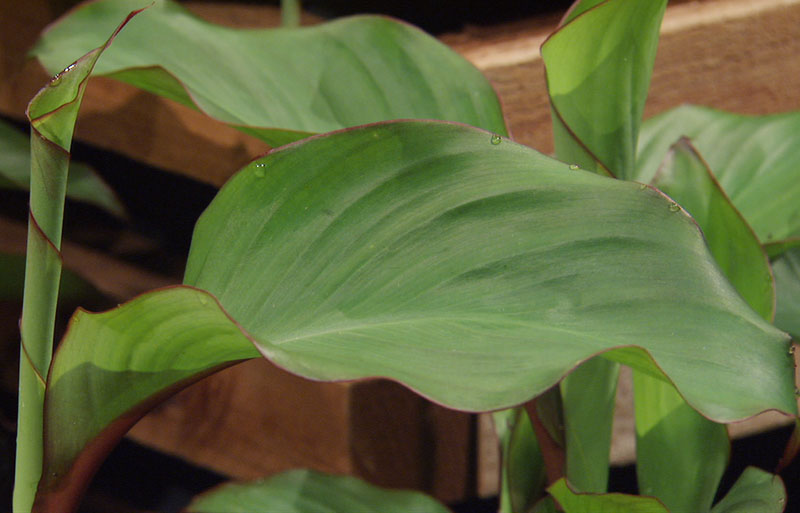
(737, 55)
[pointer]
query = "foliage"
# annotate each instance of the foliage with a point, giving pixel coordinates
(476, 271)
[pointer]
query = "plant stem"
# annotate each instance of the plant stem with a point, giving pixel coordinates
(42, 276)
(290, 13)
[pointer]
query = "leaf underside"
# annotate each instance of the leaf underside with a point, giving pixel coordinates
(280, 84)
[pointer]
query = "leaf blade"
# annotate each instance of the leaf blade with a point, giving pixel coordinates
(338, 74)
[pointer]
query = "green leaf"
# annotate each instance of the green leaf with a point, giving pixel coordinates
(475, 273)
(396, 249)
(305, 491)
(753, 157)
(755, 490)
(787, 288)
(686, 178)
(589, 395)
(681, 455)
(112, 367)
(574, 502)
(523, 472)
(83, 184)
(280, 84)
(598, 73)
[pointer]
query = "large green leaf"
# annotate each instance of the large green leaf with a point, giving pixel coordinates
(280, 84)
(575, 502)
(755, 490)
(304, 491)
(396, 249)
(787, 288)
(476, 273)
(755, 159)
(598, 73)
(83, 184)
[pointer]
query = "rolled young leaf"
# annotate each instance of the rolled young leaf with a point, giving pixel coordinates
(280, 84)
(52, 113)
(305, 491)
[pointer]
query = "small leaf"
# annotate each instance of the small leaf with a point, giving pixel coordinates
(280, 84)
(523, 473)
(753, 157)
(598, 73)
(755, 490)
(305, 491)
(573, 502)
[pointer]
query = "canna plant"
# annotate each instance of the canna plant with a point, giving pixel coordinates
(478, 272)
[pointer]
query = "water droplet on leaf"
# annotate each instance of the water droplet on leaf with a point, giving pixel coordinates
(259, 172)
(674, 207)
(55, 81)
(496, 139)
(574, 167)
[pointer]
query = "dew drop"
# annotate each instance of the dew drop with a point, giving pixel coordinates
(496, 139)
(259, 172)
(55, 81)
(673, 207)
(574, 167)
(792, 349)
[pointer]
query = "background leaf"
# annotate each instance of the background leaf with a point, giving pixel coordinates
(686, 178)
(280, 84)
(755, 490)
(83, 184)
(574, 502)
(304, 491)
(787, 288)
(755, 159)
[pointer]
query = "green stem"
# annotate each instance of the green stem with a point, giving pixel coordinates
(290, 13)
(42, 276)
